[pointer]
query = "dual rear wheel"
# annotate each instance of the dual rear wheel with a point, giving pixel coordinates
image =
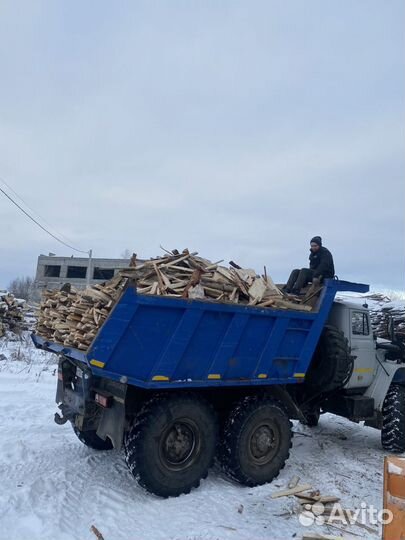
(174, 439)
(256, 441)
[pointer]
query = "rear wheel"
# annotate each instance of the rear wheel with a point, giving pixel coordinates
(256, 441)
(92, 440)
(171, 444)
(393, 429)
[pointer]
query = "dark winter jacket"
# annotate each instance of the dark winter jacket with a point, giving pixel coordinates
(322, 263)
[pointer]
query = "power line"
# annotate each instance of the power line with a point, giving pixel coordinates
(32, 210)
(39, 224)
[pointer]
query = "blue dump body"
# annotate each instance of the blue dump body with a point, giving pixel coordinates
(162, 342)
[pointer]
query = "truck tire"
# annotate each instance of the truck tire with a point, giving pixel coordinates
(92, 440)
(172, 444)
(332, 363)
(256, 440)
(393, 428)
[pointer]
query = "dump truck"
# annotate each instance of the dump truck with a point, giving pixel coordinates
(178, 383)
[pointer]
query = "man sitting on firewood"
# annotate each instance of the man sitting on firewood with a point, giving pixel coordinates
(320, 267)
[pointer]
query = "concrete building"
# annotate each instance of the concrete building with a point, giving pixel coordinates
(53, 271)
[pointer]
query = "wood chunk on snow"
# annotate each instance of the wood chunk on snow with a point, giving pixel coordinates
(293, 482)
(292, 491)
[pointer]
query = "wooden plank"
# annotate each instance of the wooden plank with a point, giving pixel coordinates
(292, 491)
(285, 304)
(293, 482)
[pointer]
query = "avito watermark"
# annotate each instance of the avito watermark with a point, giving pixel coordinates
(319, 514)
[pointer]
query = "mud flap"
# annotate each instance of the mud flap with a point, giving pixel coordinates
(112, 424)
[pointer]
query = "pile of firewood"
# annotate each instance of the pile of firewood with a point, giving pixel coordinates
(186, 275)
(322, 510)
(382, 314)
(11, 313)
(73, 318)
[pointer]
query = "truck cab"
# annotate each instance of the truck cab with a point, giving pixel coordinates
(378, 374)
(354, 321)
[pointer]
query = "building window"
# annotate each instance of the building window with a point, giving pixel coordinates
(52, 270)
(78, 272)
(360, 325)
(103, 273)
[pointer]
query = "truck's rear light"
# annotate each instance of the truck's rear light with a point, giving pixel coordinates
(104, 401)
(60, 375)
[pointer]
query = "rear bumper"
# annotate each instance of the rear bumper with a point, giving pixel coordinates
(90, 403)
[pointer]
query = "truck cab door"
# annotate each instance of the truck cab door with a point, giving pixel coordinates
(363, 348)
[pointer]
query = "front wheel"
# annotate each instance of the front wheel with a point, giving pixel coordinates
(393, 429)
(171, 444)
(256, 441)
(92, 440)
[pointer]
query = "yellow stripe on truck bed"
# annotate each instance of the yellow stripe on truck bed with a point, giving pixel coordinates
(97, 363)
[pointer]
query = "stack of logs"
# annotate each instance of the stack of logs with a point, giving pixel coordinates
(73, 318)
(383, 312)
(11, 313)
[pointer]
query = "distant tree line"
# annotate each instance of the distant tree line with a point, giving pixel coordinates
(24, 287)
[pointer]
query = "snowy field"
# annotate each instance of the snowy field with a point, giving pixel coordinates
(53, 487)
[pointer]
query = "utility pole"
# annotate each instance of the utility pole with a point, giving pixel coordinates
(88, 275)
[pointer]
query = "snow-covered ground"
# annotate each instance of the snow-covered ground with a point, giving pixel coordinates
(53, 487)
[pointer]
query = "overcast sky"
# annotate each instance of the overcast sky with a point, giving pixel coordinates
(238, 129)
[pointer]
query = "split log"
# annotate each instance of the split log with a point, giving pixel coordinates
(292, 491)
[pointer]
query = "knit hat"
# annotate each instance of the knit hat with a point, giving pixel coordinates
(316, 240)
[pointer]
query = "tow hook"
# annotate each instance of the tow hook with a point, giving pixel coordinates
(60, 420)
